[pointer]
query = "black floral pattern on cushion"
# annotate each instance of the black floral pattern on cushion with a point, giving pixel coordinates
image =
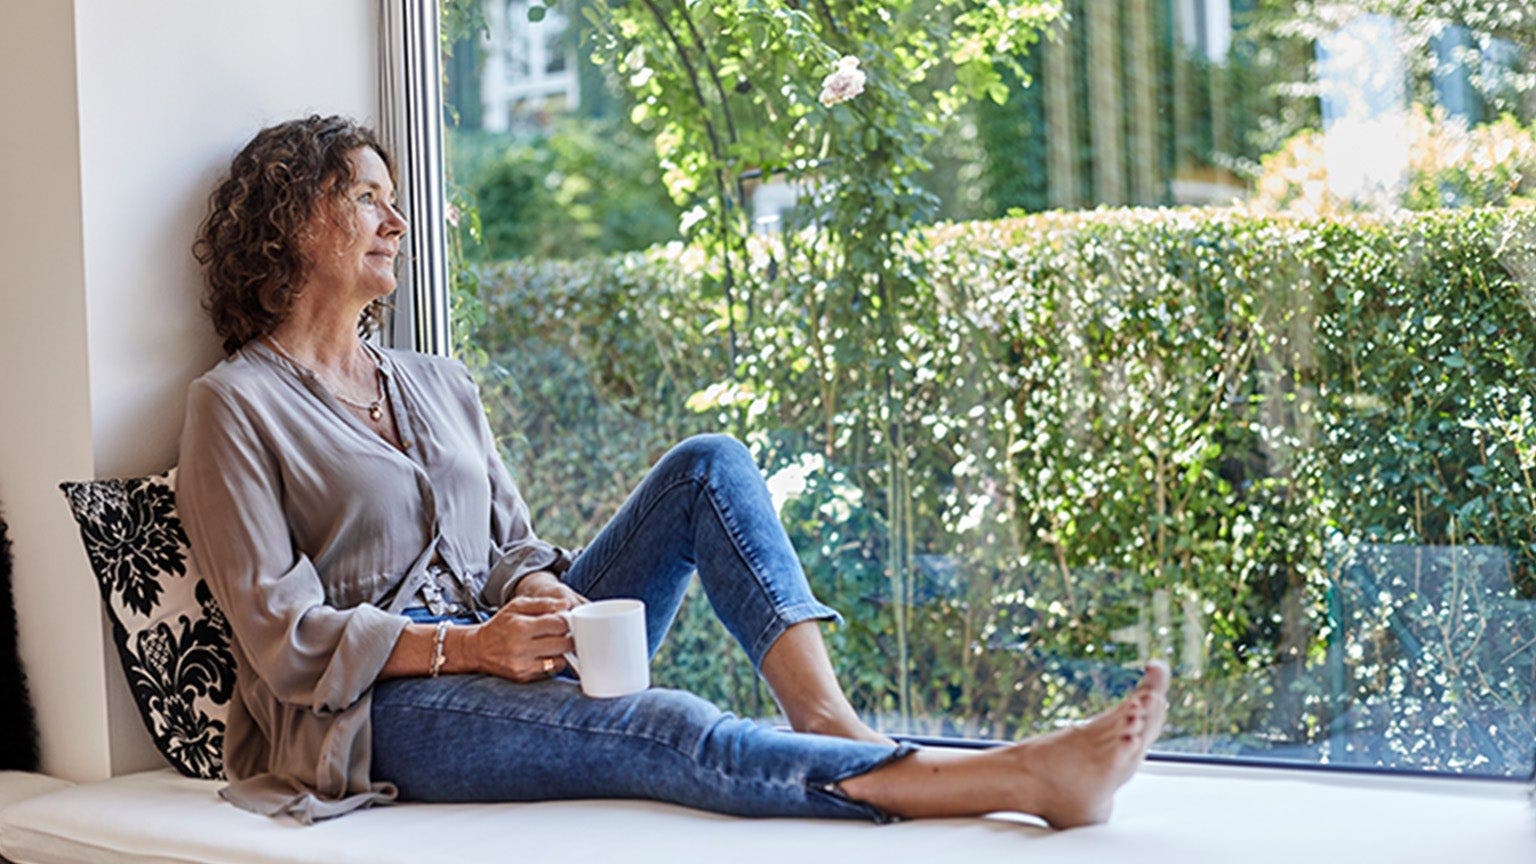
(171, 636)
(173, 668)
(131, 536)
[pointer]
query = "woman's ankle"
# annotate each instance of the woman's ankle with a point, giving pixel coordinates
(838, 724)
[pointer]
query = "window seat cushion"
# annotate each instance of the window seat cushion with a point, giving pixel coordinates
(1163, 815)
(21, 785)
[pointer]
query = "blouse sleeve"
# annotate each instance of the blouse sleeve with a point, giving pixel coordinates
(229, 496)
(515, 550)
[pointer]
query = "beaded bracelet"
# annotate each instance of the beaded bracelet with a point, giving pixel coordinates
(438, 657)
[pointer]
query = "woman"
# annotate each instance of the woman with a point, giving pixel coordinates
(395, 616)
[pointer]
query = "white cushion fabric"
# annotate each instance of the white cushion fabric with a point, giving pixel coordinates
(21, 785)
(161, 817)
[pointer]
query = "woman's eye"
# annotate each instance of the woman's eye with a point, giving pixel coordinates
(366, 197)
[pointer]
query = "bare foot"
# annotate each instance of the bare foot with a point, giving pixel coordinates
(1073, 773)
(1068, 778)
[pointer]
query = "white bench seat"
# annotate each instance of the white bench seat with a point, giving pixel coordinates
(21, 785)
(1167, 813)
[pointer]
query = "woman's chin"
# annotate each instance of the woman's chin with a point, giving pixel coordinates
(382, 287)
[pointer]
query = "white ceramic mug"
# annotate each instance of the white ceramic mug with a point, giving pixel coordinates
(610, 656)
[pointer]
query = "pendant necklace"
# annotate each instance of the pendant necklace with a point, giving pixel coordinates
(375, 408)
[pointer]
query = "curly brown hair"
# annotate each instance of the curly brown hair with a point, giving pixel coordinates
(249, 244)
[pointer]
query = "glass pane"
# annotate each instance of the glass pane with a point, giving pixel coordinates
(1275, 424)
(553, 32)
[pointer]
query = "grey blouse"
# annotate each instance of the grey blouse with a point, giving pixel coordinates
(313, 532)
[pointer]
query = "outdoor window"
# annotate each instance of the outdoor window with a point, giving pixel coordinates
(1212, 343)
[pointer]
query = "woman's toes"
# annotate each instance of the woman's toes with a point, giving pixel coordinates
(1154, 678)
(1158, 716)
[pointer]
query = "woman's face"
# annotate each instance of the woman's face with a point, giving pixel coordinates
(354, 237)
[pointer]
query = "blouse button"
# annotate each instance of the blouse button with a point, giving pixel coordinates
(406, 444)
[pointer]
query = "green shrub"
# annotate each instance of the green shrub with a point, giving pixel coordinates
(590, 187)
(1449, 164)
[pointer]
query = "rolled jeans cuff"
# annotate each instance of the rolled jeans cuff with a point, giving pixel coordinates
(784, 618)
(828, 791)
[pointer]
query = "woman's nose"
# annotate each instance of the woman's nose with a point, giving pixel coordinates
(395, 223)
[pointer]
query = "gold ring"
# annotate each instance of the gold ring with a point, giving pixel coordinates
(549, 665)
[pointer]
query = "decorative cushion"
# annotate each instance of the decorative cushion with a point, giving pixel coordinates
(171, 636)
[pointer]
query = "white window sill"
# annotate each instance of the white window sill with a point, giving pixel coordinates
(1170, 812)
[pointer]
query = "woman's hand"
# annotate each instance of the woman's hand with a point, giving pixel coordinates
(524, 641)
(546, 584)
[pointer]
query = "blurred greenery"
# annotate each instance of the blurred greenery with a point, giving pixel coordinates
(588, 187)
(1449, 164)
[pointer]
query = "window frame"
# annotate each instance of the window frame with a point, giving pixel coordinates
(411, 127)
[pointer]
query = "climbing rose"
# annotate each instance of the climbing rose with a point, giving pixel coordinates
(843, 84)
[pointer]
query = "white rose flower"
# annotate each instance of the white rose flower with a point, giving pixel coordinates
(846, 82)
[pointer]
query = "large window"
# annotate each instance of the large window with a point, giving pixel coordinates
(1275, 422)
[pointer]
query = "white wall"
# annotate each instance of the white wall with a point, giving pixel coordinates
(45, 411)
(125, 115)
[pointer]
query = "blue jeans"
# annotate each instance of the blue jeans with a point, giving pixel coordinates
(703, 507)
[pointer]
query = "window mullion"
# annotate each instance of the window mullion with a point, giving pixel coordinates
(410, 123)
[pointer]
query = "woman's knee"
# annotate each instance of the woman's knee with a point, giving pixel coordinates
(704, 455)
(675, 715)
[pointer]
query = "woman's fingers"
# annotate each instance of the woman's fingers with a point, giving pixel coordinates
(553, 646)
(568, 598)
(538, 626)
(527, 638)
(549, 655)
(528, 604)
(548, 585)
(544, 657)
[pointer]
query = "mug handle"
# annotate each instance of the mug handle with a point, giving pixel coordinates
(570, 656)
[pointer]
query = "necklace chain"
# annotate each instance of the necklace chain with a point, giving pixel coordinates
(375, 408)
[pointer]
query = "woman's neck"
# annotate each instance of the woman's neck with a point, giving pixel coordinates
(323, 342)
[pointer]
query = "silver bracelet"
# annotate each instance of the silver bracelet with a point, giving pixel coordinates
(438, 657)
